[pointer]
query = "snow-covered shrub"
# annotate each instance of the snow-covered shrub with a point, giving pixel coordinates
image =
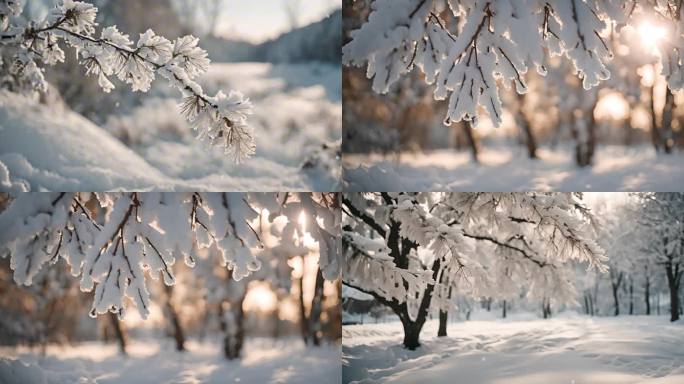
(220, 119)
(113, 241)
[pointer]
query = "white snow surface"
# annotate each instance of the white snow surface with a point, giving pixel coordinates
(263, 361)
(568, 349)
(504, 168)
(297, 108)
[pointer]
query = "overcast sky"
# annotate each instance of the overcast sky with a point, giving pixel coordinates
(259, 20)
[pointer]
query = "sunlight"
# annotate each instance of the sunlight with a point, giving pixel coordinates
(612, 106)
(260, 298)
(307, 240)
(302, 220)
(651, 35)
(297, 265)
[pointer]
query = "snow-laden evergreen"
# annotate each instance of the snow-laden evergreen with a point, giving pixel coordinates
(114, 241)
(220, 119)
(469, 48)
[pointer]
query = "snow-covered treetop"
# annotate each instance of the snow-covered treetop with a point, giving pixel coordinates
(468, 48)
(220, 119)
(112, 241)
(479, 244)
(660, 222)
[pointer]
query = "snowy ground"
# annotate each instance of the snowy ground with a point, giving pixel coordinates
(507, 169)
(264, 361)
(297, 112)
(569, 350)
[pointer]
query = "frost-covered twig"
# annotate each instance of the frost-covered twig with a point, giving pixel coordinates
(220, 119)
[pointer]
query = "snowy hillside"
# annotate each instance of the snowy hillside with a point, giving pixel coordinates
(506, 169)
(297, 114)
(577, 350)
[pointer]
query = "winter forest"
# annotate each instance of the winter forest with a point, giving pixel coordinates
(206, 286)
(170, 95)
(513, 287)
(513, 95)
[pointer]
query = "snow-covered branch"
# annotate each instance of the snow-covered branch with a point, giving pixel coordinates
(112, 241)
(481, 244)
(220, 119)
(469, 48)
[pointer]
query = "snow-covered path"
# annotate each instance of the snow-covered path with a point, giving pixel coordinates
(572, 350)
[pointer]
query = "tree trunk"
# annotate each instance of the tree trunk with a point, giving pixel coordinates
(412, 333)
(472, 141)
(315, 328)
(443, 317)
(546, 308)
(615, 284)
(526, 128)
(631, 296)
(303, 321)
(655, 132)
(586, 303)
(616, 300)
(232, 325)
(586, 140)
(647, 295)
(666, 129)
(504, 309)
(594, 297)
(412, 327)
(658, 304)
(178, 333)
(673, 280)
(119, 332)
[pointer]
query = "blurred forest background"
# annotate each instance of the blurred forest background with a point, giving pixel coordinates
(632, 110)
(287, 299)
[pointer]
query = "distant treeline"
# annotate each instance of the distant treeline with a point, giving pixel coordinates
(320, 41)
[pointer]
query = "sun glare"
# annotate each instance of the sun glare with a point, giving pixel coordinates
(260, 298)
(612, 106)
(651, 35)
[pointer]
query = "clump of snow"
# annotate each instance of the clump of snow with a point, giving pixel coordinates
(503, 168)
(569, 349)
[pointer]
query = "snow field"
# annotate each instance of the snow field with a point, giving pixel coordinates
(263, 361)
(508, 169)
(297, 110)
(566, 349)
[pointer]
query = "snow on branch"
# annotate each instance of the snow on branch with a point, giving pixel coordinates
(370, 267)
(321, 217)
(472, 47)
(220, 119)
(480, 244)
(113, 241)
